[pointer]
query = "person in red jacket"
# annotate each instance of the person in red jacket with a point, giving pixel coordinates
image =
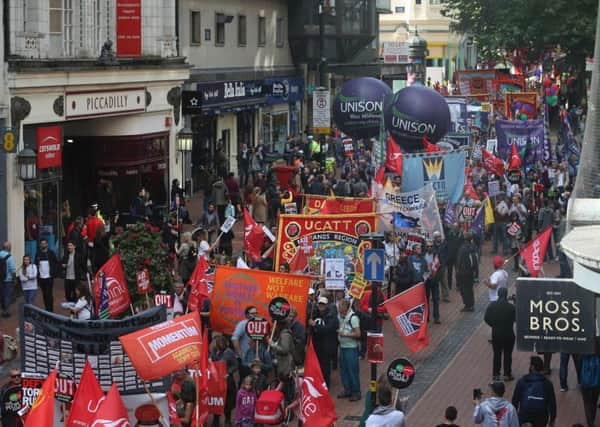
(93, 223)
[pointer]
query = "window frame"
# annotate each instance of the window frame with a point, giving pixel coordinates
(219, 43)
(243, 42)
(262, 31)
(195, 41)
(280, 32)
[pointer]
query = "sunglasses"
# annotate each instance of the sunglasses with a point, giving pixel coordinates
(16, 376)
(253, 313)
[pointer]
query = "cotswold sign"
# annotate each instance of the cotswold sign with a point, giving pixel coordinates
(105, 103)
(555, 315)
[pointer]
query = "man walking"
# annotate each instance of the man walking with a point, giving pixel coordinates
(324, 328)
(48, 267)
(73, 264)
(534, 396)
(7, 274)
(349, 338)
(466, 271)
(440, 247)
(495, 411)
(500, 316)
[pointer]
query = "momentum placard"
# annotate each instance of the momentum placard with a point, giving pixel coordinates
(554, 315)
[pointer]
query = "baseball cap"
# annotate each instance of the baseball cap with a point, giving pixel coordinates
(323, 300)
(498, 261)
(497, 387)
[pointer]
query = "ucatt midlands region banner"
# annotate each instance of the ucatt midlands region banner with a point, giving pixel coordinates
(162, 349)
(527, 134)
(330, 236)
(237, 288)
(338, 205)
(444, 171)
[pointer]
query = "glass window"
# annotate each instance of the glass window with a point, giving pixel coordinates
(219, 29)
(435, 2)
(60, 20)
(400, 9)
(195, 27)
(417, 1)
(262, 30)
(55, 11)
(279, 35)
(242, 30)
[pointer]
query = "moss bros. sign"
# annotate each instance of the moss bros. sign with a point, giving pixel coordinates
(555, 315)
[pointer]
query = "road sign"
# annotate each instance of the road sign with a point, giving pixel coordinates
(374, 265)
(321, 111)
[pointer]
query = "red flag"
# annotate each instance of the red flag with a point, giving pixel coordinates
(254, 237)
(393, 157)
(118, 293)
(378, 182)
(198, 284)
(470, 190)
(316, 407)
(299, 262)
(534, 252)
(41, 413)
(112, 411)
(174, 419)
(492, 163)
(430, 147)
(409, 312)
(514, 159)
(87, 400)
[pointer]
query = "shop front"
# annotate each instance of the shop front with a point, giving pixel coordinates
(281, 116)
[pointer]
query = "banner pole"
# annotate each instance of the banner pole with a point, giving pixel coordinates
(162, 417)
(198, 393)
(132, 310)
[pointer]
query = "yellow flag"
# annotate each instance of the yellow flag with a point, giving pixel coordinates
(489, 211)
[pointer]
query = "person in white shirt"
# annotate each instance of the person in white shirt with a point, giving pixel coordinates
(28, 274)
(385, 415)
(498, 279)
(83, 307)
(205, 248)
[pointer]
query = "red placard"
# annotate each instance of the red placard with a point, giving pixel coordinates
(129, 28)
(49, 143)
(143, 281)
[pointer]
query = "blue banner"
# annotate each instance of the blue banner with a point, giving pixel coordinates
(446, 172)
(527, 134)
(458, 114)
(283, 90)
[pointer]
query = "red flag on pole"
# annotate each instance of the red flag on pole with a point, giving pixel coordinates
(118, 293)
(112, 411)
(316, 407)
(41, 413)
(198, 285)
(174, 419)
(492, 163)
(534, 252)
(514, 162)
(408, 310)
(254, 237)
(393, 157)
(470, 190)
(87, 400)
(430, 147)
(377, 183)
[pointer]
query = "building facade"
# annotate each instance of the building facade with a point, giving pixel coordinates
(94, 90)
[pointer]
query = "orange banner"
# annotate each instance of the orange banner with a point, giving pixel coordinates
(162, 349)
(339, 205)
(237, 288)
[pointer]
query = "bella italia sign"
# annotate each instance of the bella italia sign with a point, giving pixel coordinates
(80, 105)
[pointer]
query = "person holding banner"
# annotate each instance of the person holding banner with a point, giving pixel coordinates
(221, 350)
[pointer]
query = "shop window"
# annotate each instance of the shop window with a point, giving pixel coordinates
(220, 29)
(195, 27)
(280, 32)
(43, 220)
(60, 20)
(242, 30)
(262, 30)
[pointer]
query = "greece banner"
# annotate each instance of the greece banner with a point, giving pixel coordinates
(444, 171)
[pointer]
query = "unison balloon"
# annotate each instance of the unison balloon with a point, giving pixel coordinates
(415, 112)
(358, 107)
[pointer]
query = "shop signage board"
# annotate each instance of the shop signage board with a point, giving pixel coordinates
(49, 143)
(129, 28)
(80, 105)
(215, 93)
(321, 111)
(395, 52)
(191, 102)
(281, 90)
(554, 315)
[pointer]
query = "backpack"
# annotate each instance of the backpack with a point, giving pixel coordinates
(4, 267)
(534, 398)
(590, 371)
(269, 408)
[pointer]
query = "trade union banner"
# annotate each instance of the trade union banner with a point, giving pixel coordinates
(49, 143)
(554, 316)
(161, 349)
(331, 236)
(527, 134)
(444, 171)
(338, 205)
(237, 288)
(48, 338)
(476, 82)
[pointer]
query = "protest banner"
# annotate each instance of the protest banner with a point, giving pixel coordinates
(458, 114)
(445, 171)
(521, 105)
(334, 274)
(161, 349)
(332, 236)
(237, 288)
(476, 82)
(340, 205)
(528, 135)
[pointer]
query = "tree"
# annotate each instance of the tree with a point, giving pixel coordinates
(532, 25)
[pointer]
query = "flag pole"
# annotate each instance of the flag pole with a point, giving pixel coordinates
(151, 396)
(198, 393)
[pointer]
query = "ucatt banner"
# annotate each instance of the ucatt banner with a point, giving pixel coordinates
(332, 236)
(338, 205)
(159, 350)
(237, 288)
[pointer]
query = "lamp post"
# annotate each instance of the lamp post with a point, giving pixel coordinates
(417, 56)
(27, 163)
(185, 139)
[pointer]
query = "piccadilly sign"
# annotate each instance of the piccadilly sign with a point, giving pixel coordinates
(79, 105)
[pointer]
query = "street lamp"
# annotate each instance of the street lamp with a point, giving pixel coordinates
(185, 140)
(27, 162)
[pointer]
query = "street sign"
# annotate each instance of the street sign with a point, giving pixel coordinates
(8, 141)
(321, 111)
(374, 265)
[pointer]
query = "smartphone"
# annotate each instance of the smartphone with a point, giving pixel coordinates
(477, 394)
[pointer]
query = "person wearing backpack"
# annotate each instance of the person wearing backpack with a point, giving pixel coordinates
(534, 396)
(7, 275)
(590, 386)
(349, 338)
(466, 270)
(282, 346)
